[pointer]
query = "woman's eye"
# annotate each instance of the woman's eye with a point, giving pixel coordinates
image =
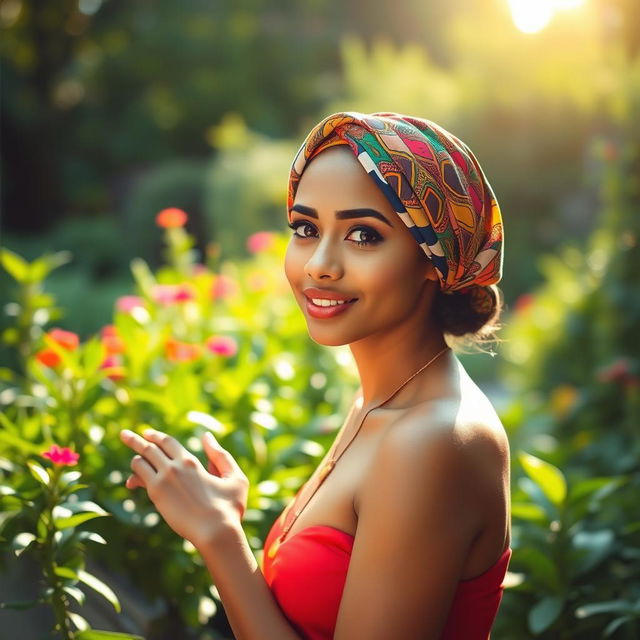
(364, 236)
(300, 224)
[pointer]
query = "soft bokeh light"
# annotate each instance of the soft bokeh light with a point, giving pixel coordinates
(531, 16)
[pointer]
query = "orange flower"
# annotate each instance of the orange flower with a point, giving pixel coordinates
(66, 339)
(111, 340)
(177, 351)
(170, 218)
(48, 357)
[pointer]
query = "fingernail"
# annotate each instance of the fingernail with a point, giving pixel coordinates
(210, 437)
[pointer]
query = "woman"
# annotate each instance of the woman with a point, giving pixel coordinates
(403, 531)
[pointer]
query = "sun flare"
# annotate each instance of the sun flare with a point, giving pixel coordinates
(531, 16)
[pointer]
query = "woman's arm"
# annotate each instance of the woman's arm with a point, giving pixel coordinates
(420, 509)
(248, 602)
(206, 507)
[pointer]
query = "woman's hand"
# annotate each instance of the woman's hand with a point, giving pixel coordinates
(198, 504)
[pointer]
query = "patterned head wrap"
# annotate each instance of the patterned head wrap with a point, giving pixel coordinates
(433, 182)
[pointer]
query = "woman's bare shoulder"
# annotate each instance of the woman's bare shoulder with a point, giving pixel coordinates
(464, 420)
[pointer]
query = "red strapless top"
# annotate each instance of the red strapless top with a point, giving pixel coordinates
(308, 571)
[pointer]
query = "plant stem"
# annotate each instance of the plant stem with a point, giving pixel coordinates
(59, 601)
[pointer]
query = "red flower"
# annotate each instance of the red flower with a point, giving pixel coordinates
(260, 241)
(127, 304)
(111, 340)
(222, 345)
(61, 455)
(177, 351)
(223, 287)
(170, 218)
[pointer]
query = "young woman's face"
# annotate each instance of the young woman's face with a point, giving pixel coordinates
(348, 243)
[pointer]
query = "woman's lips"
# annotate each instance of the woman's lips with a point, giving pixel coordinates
(316, 311)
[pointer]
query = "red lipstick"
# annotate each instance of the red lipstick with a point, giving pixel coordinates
(321, 312)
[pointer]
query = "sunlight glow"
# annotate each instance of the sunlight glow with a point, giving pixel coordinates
(531, 16)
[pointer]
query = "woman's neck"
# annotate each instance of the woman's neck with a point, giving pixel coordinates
(385, 362)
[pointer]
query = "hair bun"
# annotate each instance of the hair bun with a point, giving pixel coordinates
(472, 311)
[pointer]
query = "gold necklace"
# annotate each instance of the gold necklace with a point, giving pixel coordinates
(308, 490)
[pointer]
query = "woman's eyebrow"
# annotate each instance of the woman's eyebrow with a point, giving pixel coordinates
(343, 214)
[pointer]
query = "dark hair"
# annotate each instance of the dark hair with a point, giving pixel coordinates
(471, 315)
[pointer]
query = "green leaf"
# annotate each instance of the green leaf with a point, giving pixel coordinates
(69, 477)
(77, 594)
(65, 572)
(15, 265)
(94, 634)
(43, 266)
(84, 505)
(75, 520)
(21, 542)
(528, 511)
(79, 621)
(549, 478)
(100, 587)
(610, 606)
(38, 473)
(91, 535)
(545, 613)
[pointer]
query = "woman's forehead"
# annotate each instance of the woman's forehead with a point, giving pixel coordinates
(335, 177)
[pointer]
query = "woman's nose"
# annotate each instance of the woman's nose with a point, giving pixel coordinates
(325, 262)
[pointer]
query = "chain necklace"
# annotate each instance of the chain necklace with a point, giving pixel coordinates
(308, 490)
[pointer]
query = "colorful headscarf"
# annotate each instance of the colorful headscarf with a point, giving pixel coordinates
(433, 182)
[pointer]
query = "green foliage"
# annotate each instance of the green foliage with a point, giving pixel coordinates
(573, 360)
(219, 347)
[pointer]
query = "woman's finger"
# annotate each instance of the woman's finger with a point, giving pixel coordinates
(148, 450)
(133, 482)
(143, 469)
(220, 457)
(171, 447)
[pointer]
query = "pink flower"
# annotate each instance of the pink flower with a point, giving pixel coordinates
(127, 304)
(170, 218)
(113, 367)
(61, 455)
(260, 241)
(66, 339)
(223, 287)
(222, 345)
(168, 294)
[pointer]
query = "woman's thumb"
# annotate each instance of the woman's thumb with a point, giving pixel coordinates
(218, 457)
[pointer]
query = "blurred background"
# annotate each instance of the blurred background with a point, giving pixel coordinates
(112, 111)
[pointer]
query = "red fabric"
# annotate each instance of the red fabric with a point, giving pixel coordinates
(308, 572)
